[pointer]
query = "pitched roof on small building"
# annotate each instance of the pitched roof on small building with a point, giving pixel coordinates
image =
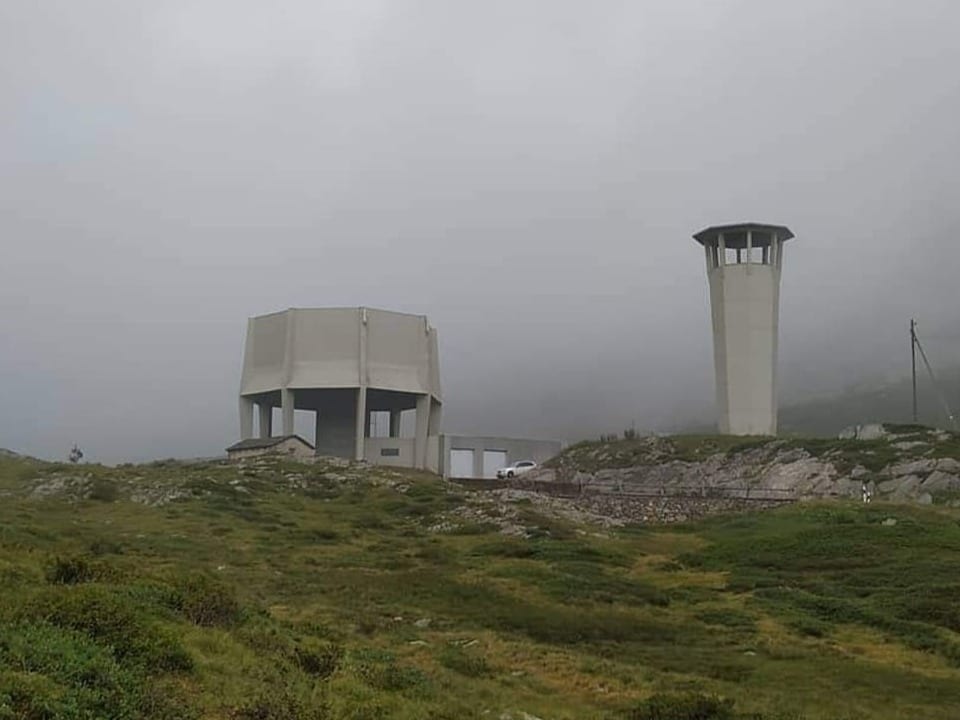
(264, 443)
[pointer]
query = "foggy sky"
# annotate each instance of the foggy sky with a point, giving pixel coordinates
(527, 174)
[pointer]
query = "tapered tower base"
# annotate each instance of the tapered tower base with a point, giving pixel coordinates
(744, 263)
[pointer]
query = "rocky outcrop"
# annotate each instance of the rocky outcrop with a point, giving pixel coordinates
(912, 465)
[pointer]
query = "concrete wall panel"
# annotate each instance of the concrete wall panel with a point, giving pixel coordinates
(395, 452)
(398, 352)
(744, 300)
(263, 366)
(325, 348)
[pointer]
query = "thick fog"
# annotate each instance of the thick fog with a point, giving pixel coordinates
(526, 174)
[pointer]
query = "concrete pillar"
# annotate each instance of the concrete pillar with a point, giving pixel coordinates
(246, 418)
(444, 468)
(266, 419)
(395, 416)
(423, 426)
(478, 461)
(360, 448)
(436, 415)
(287, 404)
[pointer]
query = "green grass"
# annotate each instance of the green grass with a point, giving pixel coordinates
(285, 592)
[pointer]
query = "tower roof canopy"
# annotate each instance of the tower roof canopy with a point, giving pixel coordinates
(735, 236)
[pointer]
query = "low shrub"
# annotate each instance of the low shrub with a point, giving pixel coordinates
(281, 702)
(682, 707)
(76, 569)
(52, 673)
(104, 490)
(318, 660)
(105, 547)
(380, 670)
(206, 601)
(464, 662)
(727, 617)
(110, 619)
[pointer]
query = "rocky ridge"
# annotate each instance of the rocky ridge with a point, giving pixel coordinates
(898, 463)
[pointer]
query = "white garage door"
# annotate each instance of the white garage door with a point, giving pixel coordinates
(461, 463)
(493, 460)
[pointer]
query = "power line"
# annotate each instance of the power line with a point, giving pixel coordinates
(933, 378)
(913, 359)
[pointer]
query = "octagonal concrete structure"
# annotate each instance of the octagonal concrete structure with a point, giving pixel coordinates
(343, 364)
(744, 264)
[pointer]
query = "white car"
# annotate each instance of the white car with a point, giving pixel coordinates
(514, 469)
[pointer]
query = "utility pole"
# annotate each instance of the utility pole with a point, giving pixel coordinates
(913, 358)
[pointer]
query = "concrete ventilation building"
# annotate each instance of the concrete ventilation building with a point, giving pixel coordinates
(744, 263)
(351, 368)
(344, 365)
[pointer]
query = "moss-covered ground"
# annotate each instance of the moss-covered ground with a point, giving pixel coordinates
(254, 597)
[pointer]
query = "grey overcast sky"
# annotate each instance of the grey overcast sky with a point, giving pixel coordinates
(526, 173)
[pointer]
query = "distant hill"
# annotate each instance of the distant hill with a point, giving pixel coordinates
(882, 402)
(8, 453)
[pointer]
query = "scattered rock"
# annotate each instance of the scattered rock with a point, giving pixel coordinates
(422, 623)
(889, 522)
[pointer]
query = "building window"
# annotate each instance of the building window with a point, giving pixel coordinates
(389, 452)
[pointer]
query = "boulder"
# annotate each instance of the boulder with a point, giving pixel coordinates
(940, 481)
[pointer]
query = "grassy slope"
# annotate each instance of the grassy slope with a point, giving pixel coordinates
(815, 611)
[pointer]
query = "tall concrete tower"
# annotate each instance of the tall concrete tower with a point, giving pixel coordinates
(744, 263)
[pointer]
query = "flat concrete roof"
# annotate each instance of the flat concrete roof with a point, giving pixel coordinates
(339, 307)
(735, 235)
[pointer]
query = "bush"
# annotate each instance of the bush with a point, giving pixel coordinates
(104, 490)
(280, 702)
(319, 660)
(105, 547)
(464, 662)
(55, 674)
(75, 570)
(207, 602)
(111, 620)
(380, 670)
(682, 707)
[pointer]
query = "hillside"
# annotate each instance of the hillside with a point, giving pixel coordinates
(275, 590)
(890, 402)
